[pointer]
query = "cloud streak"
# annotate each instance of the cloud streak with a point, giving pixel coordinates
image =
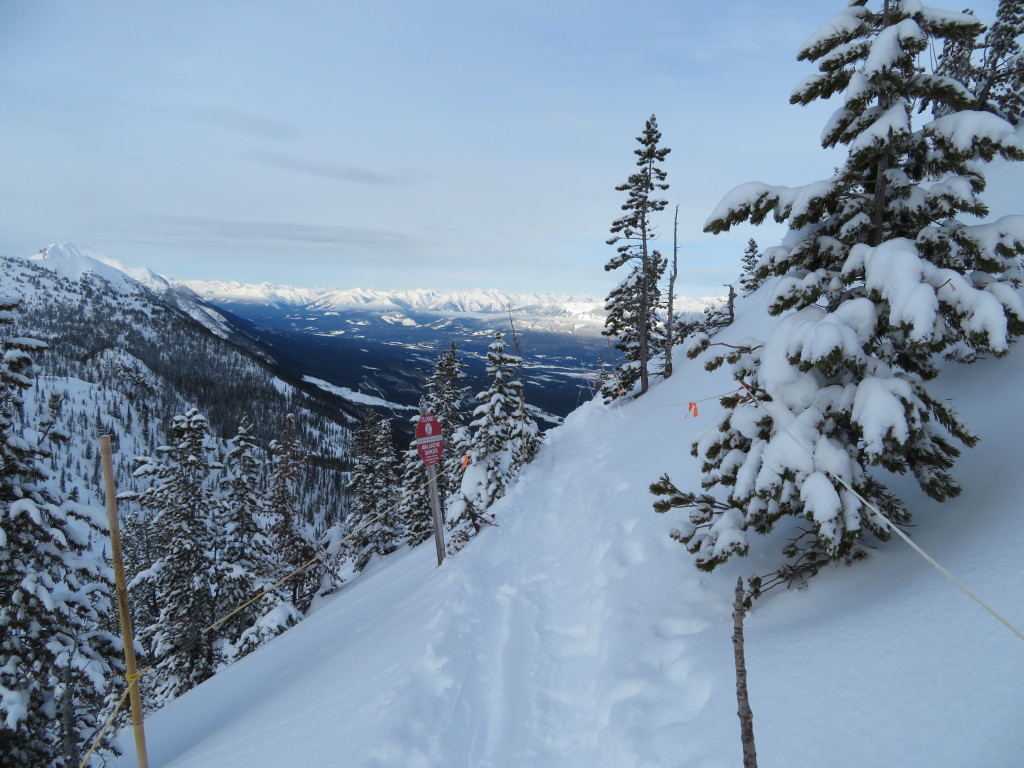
(255, 232)
(327, 169)
(246, 122)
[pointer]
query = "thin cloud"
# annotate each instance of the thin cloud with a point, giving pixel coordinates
(247, 122)
(252, 232)
(327, 169)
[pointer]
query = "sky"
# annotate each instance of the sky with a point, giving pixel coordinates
(396, 144)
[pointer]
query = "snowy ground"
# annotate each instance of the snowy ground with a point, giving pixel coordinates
(578, 634)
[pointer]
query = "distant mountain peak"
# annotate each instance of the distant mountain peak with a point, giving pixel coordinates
(73, 261)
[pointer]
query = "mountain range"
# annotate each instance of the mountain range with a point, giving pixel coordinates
(375, 348)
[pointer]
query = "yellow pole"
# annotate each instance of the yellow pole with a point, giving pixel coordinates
(131, 670)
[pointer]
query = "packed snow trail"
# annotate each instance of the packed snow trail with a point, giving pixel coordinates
(576, 634)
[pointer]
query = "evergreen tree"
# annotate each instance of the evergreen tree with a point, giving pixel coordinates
(493, 455)
(181, 498)
(879, 278)
(55, 655)
(244, 564)
(293, 539)
(373, 493)
(445, 399)
(414, 505)
(992, 69)
(524, 434)
(749, 280)
(632, 305)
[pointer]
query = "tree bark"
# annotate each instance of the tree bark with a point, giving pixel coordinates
(746, 715)
(645, 302)
(671, 320)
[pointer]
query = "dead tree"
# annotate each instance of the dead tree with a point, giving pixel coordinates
(746, 715)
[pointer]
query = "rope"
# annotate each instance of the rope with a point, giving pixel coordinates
(133, 679)
(702, 400)
(892, 526)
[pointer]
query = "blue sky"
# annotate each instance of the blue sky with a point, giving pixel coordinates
(447, 144)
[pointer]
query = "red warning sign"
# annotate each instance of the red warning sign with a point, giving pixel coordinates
(429, 441)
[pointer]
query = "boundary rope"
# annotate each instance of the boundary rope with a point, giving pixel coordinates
(134, 679)
(892, 526)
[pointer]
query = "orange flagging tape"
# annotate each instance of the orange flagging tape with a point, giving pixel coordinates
(692, 408)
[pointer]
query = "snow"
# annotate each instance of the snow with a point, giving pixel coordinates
(889, 127)
(73, 262)
(576, 634)
(845, 23)
(356, 397)
(890, 46)
(963, 130)
(421, 300)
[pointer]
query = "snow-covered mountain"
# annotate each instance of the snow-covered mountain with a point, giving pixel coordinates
(126, 354)
(74, 262)
(561, 313)
(577, 634)
(587, 311)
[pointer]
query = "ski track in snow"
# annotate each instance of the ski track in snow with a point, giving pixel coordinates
(544, 659)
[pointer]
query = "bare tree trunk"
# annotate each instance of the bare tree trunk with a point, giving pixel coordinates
(746, 715)
(881, 179)
(671, 319)
(645, 303)
(71, 753)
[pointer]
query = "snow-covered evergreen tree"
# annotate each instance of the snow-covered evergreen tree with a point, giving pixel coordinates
(55, 656)
(493, 455)
(414, 503)
(180, 496)
(749, 280)
(633, 304)
(992, 68)
(293, 539)
(879, 277)
(244, 563)
(524, 433)
(445, 399)
(373, 493)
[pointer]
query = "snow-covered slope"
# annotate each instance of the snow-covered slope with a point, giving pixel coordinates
(73, 261)
(577, 634)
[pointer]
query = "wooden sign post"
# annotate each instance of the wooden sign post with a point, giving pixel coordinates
(131, 670)
(430, 446)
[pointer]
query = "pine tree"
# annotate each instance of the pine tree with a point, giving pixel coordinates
(992, 69)
(879, 278)
(414, 504)
(55, 655)
(749, 280)
(180, 495)
(524, 434)
(244, 564)
(445, 399)
(493, 455)
(293, 539)
(632, 305)
(373, 493)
